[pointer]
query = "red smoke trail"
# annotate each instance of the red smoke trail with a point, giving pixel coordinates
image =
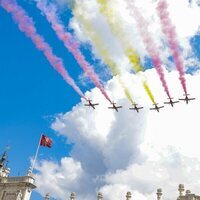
(150, 45)
(27, 26)
(170, 33)
(50, 12)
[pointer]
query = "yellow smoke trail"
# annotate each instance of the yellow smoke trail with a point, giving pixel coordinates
(134, 60)
(97, 41)
(126, 91)
(116, 28)
(147, 89)
(115, 25)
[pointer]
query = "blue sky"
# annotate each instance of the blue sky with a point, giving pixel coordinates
(32, 92)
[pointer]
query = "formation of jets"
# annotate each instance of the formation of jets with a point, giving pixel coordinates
(137, 108)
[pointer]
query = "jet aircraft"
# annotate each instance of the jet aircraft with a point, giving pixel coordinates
(90, 104)
(157, 108)
(137, 109)
(187, 99)
(115, 107)
(171, 102)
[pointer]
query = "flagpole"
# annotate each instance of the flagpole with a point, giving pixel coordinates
(36, 154)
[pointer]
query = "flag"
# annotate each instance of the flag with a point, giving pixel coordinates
(45, 141)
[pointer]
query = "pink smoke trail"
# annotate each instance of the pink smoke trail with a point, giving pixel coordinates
(50, 12)
(171, 36)
(26, 25)
(150, 45)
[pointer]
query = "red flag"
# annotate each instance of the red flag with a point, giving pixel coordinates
(45, 141)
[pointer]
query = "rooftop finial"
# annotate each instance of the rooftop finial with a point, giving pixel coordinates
(181, 189)
(72, 196)
(128, 196)
(159, 193)
(47, 196)
(188, 192)
(100, 196)
(29, 172)
(4, 157)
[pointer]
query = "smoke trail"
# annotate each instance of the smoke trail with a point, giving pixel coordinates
(96, 39)
(126, 91)
(150, 46)
(146, 87)
(117, 29)
(170, 33)
(26, 25)
(50, 12)
(134, 60)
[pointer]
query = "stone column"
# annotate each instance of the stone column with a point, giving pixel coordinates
(128, 196)
(99, 196)
(159, 193)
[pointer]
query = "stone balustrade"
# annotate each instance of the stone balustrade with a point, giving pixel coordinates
(187, 196)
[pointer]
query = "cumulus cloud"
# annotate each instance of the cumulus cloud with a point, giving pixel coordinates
(58, 178)
(180, 12)
(117, 152)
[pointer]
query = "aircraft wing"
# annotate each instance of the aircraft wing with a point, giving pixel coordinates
(157, 108)
(136, 108)
(111, 108)
(175, 101)
(171, 103)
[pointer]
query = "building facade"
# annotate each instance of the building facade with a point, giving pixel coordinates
(14, 188)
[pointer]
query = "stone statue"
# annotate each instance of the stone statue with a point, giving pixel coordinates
(72, 196)
(99, 196)
(128, 196)
(19, 195)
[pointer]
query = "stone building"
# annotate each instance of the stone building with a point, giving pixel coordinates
(14, 188)
(188, 195)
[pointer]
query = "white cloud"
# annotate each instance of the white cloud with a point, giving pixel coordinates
(119, 152)
(184, 17)
(166, 173)
(58, 179)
